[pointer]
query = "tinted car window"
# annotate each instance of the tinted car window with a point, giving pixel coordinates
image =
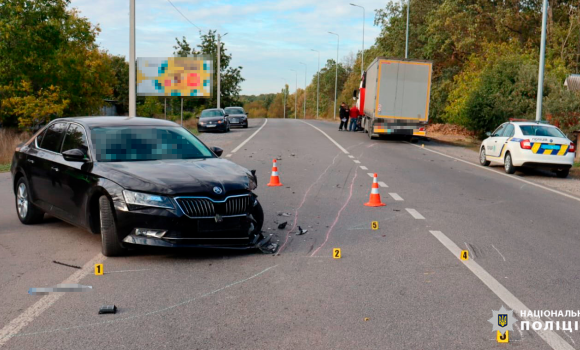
(234, 111)
(40, 137)
(498, 131)
(541, 130)
(75, 138)
(212, 113)
(53, 137)
(129, 144)
(509, 131)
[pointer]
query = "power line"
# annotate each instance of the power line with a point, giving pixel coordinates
(187, 19)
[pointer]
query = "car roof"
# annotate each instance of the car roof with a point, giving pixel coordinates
(531, 123)
(234, 107)
(91, 122)
(212, 109)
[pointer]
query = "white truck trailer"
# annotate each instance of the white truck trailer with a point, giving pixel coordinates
(394, 97)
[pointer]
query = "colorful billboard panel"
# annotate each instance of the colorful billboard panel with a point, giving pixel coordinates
(174, 76)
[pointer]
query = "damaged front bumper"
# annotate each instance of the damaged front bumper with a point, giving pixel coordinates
(257, 242)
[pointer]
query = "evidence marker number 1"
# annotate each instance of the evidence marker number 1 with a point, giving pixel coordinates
(98, 269)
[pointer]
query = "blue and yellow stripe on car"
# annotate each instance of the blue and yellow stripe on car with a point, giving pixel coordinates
(540, 148)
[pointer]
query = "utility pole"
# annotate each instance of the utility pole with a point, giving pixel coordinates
(542, 62)
(132, 89)
(219, 92)
(336, 74)
(295, 94)
(407, 34)
(305, 67)
(317, 83)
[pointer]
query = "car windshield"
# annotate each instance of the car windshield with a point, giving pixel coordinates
(211, 113)
(234, 111)
(541, 130)
(130, 144)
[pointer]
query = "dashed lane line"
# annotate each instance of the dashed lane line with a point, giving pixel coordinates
(364, 167)
(396, 196)
(330, 138)
(356, 161)
(382, 184)
(350, 156)
(415, 214)
(371, 174)
(552, 338)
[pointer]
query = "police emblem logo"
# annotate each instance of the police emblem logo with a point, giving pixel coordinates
(502, 320)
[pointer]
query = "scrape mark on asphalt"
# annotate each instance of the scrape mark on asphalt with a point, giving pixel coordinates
(5, 338)
(302, 203)
(337, 215)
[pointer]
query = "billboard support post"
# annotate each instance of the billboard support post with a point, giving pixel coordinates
(165, 109)
(132, 94)
(181, 111)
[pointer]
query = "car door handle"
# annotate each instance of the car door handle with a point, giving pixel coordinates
(30, 161)
(54, 168)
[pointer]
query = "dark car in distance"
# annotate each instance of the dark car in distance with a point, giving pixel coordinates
(237, 116)
(213, 119)
(140, 181)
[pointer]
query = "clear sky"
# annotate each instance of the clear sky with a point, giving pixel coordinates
(266, 38)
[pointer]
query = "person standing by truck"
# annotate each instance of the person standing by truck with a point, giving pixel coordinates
(343, 114)
(354, 113)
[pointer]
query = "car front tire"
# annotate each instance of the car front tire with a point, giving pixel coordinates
(258, 215)
(562, 174)
(27, 212)
(483, 158)
(109, 239)
(508, 164)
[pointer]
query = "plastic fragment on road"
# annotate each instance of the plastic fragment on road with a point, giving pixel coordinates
(301, 231)
(108, 309)
(282, 225)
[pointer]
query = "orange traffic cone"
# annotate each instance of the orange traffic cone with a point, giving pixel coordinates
(274, 179)
(375, 199)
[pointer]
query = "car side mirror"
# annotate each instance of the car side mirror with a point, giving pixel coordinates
(218, 151)
(488, 134)
(246, 114)
(74, 155)
(226, 115)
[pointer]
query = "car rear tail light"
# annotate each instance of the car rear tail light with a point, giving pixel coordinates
(525, 144)
(422, 129)
(572, 147)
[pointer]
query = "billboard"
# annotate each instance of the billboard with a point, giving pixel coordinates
(174, 76)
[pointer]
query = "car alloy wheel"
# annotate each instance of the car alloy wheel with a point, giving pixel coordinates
(482, 157)
(508, 165)
(22, 200)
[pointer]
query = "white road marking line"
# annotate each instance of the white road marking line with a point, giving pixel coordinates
(154, 312)
(415, 214)
(469, 250)
(551, 337)
(396, 196)
(364, 167)
(126, 271)
(330, 138)
(498, 252)
(382, 184)
(371, 174)
(249, 138)
(36, 309)
(229, 155)
(350, 156)
(503, 174)
(356, 161)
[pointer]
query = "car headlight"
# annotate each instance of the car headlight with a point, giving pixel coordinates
(201, 123)
(220, 121)
(147, 200)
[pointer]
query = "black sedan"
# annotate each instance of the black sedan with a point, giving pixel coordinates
(136, 181)
(213, 119)
(237, 116)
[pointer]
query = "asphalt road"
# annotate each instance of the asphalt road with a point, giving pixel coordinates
(399, 287)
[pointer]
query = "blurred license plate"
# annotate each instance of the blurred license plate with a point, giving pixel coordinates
(210, 126)
(551, 147)
(235, 120)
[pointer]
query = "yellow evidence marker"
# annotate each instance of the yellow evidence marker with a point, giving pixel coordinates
(464, 255)
(503, 338)
(336, 253)
(98, 269)
(375, 225)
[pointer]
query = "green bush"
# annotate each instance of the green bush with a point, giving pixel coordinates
(151, 107)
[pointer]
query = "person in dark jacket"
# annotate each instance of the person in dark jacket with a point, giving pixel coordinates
(344, 114)
(354, 114)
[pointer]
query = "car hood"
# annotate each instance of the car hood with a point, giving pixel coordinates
(211, 119)
(179, 176)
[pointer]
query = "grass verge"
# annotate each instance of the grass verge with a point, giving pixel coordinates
(4, 167)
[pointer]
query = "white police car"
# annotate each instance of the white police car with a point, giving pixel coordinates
(528, 144)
